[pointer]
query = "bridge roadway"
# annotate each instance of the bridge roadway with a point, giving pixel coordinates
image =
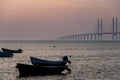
(115, 36)
(99, 35)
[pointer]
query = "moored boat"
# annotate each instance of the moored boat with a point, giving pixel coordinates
(31, 70)
(11, 51)
(6, 54)
(42, 62)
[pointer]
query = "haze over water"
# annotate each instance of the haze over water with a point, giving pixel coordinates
(50, 19)
(33, 25)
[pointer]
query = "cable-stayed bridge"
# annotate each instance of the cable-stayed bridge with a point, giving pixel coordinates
(98, 36)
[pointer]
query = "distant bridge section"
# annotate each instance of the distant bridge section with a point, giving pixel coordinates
(115, 35)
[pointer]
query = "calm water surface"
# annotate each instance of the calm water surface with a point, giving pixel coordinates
(90, 60)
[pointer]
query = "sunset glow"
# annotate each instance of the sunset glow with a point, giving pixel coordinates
(49, 19)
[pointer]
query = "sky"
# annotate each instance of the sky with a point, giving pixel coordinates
(51, 19)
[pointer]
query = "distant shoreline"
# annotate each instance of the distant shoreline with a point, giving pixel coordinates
(55, 41)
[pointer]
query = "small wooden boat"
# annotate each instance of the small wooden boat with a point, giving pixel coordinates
(41, 62)
(12, 51)
(31, 70)
(6, 54)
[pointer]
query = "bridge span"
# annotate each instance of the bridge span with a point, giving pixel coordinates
(114, 34)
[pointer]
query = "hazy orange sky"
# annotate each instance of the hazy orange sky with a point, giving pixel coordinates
(50, 19)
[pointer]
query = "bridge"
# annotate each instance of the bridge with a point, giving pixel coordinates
(98, 36)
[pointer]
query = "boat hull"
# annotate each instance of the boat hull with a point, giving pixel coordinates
(41, 62)
(11, 51)
(31, 70)
(6, 54)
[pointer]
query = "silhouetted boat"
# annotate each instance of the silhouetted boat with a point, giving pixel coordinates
(31, 70)
(41, 62)
(6, 54)
(11, 51)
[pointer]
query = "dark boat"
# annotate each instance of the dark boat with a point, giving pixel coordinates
(6, 54)
(32, 70)
(41, 62)
(11, 51)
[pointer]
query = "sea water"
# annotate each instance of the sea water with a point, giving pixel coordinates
(90, 60)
